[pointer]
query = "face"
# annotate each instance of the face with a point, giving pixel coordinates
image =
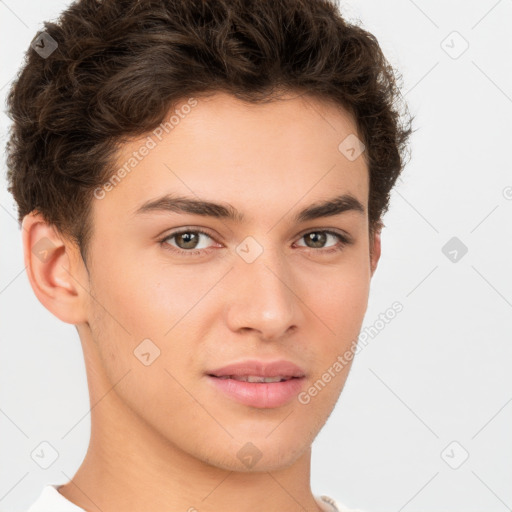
(181, 293)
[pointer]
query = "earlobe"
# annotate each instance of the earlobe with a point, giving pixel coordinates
(51, 269)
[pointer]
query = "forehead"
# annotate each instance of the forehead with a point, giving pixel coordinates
(220, 147)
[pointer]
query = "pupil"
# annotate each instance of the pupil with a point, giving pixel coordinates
(187, 242)
(317, 235)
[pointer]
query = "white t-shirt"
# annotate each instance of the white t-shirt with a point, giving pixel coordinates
(50, 500)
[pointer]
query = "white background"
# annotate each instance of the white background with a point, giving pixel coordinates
(439, 372)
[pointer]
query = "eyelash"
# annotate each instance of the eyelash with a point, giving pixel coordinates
(343, 241)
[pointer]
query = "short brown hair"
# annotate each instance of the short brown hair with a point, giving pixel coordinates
(120, 65)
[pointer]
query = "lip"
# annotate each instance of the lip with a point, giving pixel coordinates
(260, 368)
(263, 395)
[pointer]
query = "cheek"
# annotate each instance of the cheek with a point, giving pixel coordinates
(142, 298)
(154, 302)
(343, 303)
(127, 324)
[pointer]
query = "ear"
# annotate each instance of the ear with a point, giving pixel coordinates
(375, 249)
(55, 270)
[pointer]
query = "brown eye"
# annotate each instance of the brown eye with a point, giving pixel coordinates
(187, 240)
(316, 238)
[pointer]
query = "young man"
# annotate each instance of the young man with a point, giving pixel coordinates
(201, 187)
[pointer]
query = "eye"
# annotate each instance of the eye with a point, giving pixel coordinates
(188, 241)
(319, 237)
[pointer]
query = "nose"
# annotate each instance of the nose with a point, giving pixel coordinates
(264, 297)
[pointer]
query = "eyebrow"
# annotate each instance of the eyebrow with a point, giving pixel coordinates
(183, 204)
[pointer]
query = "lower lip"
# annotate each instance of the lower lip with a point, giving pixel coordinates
(264, 395)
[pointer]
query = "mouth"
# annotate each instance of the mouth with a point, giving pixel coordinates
(259, 384)
(254, 378)
(256, 369)
(258, 391)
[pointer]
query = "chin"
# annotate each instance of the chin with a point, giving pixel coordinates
(258, 453)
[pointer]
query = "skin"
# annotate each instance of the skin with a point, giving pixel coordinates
(163, 438)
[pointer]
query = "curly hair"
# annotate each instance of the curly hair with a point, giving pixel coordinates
(119, 66)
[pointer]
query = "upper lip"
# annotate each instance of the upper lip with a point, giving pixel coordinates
(280, 368)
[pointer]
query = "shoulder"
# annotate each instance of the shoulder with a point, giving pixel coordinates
(328, 504)
(50, 500)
